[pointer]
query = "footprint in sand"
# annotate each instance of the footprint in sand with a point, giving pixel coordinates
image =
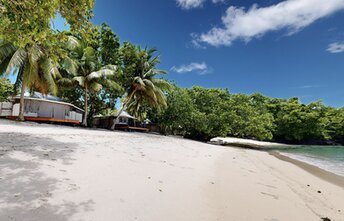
(269, 194)
(73, 187)
(270, 186)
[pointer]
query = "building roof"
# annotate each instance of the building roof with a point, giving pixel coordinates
(41, 96)
(123, 114)
(42, 99)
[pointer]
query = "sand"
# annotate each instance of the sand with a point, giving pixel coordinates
(60, 173)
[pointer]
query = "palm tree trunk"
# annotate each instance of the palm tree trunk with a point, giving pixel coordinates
(122, 109)
(22, 101)
(86, 107)
(111, 101)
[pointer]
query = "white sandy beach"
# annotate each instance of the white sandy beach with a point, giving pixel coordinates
(58, 173)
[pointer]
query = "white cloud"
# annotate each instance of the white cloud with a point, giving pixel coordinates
(292, 15)
(308, 86)
(218, 1)
(336, 47)
(188, 4)
(200, 68)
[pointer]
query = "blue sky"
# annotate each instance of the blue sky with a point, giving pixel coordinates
(278, 48)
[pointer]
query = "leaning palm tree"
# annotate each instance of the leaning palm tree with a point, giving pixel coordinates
(144, 87)
(83, 67)
(34, 69)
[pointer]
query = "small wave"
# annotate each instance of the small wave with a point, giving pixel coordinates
(328, 158)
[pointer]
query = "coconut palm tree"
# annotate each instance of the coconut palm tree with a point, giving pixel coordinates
(83, 67)
(34, 69)
(144, 87)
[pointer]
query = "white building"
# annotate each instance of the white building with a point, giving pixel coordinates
(42, 108)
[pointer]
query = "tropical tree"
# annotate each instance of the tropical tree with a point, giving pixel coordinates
(6, 89)
(83, 67)
(142, 86)
(109, 53)
(29, 46)
(34, 68)
(27, 22)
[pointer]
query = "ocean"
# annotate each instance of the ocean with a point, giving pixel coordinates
(330, 158)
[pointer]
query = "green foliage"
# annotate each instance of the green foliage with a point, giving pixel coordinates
(201, 113)
(6, 89)
(298, 122)
(83, 68)
(334, 124)
(109, 46)
(28, 22)
(35, 69)
(109, 52)
(246, 120)
(140, 79)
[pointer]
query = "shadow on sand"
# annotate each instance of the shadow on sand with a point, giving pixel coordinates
(26, 190)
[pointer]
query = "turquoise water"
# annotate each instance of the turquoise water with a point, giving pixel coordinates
(330, 158)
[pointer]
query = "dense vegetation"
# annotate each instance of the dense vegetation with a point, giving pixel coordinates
(30, 48)
(6, 89)
(89, 67)
(201, 113)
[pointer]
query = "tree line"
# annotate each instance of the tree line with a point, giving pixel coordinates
(201, 113)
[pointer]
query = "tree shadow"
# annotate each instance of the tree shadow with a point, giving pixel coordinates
(25, 189)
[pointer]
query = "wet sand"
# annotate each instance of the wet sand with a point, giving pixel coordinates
(316, 171)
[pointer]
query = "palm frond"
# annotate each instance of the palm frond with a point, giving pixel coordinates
(72, 43)
(110, 67)
(110, 84)
(50, 73)
(34, 54)
(69, 65)
(95, 87)
(149, 84)
(102, 73)
(80, 80)
(138, 80)
(162, 84)
(65, 82)
(4, 64)
(6, 49)
(17, 60)
(88, 54)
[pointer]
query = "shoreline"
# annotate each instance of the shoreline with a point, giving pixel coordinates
(247, 143)
(263, 187)
(314, 170)
(262, 145)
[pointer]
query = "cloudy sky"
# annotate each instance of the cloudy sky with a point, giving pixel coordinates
(279, 48)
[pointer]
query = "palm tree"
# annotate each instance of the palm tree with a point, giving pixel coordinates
(34, 69)
(83, 66)
(144, 87)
